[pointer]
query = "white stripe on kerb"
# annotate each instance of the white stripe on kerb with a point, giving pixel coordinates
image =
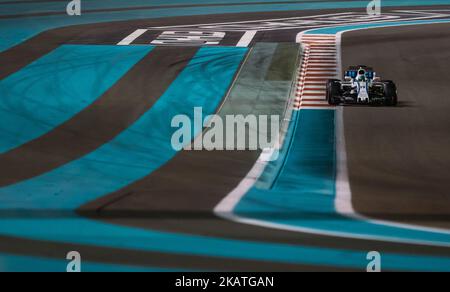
(315, 86)
(314, 91)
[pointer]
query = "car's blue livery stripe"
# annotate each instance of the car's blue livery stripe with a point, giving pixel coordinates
(57, 86)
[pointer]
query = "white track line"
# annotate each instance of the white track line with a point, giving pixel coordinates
(132, 37)
(226, 206)
(343, 201)
(247, 38)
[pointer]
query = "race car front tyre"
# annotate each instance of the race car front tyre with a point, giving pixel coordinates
(333, 91)
(390, 93)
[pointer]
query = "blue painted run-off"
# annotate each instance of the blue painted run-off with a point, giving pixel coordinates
(303, 197)
(50, 193)
(87, 5)
(137, 152)
(20, 263)
(337, 29)
(15, 31)
(78, 230)
(57, 86)
(304, 193)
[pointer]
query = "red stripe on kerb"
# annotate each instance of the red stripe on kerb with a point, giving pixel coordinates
(313, 94)
(314, 104)
(319, 65)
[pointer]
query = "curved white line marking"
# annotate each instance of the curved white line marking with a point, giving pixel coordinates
(343, 202)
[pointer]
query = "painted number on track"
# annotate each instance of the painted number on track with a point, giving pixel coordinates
(192, 38)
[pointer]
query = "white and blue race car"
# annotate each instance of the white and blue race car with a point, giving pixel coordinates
(361, 86)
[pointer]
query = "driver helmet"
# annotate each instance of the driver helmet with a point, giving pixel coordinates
(361, 75)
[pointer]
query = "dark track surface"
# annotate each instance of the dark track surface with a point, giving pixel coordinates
(150, 7)
(399, 158)
(175, 193)
(113, 32)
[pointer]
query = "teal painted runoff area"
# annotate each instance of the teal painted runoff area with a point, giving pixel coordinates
(87, 5)
(337, 29)
(304, 193)
(21, 263)
(57, 86)
(16, 30)
(138, 150)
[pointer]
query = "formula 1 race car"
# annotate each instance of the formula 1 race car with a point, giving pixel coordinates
(361, 86)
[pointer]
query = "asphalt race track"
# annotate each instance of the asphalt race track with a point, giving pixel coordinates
(398, 159)
(86, 162)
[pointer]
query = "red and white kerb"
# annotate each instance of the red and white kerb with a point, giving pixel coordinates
(319, 64)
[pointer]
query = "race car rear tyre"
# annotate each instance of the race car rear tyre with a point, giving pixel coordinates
(333, 91)
(390, 93)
